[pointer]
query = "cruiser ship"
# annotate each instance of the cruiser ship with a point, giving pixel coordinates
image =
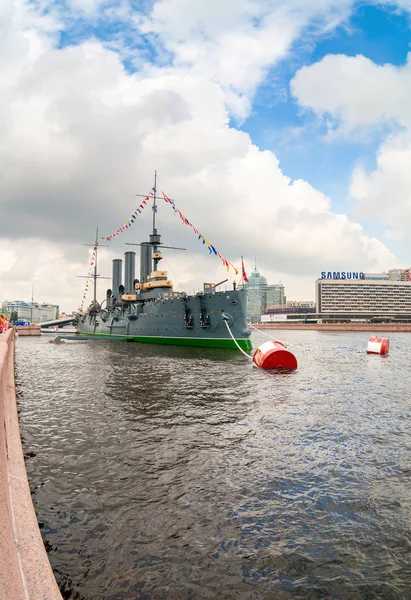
(148, 309)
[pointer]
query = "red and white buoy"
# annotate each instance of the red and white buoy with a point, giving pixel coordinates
(377, 345)
(274, 355)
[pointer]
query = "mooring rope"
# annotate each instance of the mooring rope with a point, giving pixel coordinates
(266, 335)
(285, 344)
(235, 341)
(259, 331)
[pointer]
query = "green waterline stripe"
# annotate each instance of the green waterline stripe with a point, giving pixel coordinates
(175, 341)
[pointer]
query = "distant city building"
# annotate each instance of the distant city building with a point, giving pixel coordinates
(365, 298)
(291, 305)
(392, 275)
(351, 297)
(399, 274)
(260, 295)
(282, 312)
(31, 311)
(376, 276)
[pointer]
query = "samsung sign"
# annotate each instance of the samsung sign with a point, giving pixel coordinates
(342, 275)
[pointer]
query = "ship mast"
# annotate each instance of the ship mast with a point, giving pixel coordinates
(95, 268)
(154, 239)
(95, 276)
(154, 203)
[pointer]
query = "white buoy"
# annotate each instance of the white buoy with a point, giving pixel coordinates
(377, 345)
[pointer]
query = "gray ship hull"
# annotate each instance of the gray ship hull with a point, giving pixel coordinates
(176, 319)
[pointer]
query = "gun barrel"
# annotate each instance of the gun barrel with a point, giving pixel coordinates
(216, 284)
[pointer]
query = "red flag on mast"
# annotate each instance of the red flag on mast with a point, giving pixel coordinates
(244, 275)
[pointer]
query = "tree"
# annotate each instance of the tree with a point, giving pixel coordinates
(14, 316)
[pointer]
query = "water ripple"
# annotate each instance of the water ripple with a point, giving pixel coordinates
(182, 473)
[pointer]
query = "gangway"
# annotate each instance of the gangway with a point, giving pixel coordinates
(58, 322)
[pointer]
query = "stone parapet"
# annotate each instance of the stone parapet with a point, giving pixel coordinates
(25, 571)
(28, 330)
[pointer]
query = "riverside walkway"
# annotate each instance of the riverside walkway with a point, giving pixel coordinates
(25, 571)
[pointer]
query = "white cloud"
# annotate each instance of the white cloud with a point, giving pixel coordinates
(25, 35)
(235, 42)
(88, 7)
(80, 136)
(384, 193)
(355, 92)
(37, 266)
(400, 4)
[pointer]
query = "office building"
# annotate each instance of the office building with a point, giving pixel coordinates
(352, 297)
(282, 312)
(399, 274)
(260, 294)
(31, 311)
(367, 298)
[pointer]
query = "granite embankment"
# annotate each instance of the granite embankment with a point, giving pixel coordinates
(372, 328)
(25, 571)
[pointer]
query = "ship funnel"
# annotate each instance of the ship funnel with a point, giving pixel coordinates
(117, 273)
(130, 271)
(145, 261)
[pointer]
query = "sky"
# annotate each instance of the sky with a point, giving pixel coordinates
(281, 130)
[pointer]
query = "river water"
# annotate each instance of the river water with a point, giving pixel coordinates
(180, 473)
